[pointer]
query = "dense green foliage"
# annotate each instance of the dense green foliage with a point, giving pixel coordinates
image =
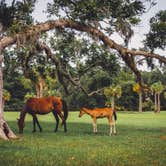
(88, 61)
(156, 38)
(95, 79)
(16, 16)
(140, 141)
(120, 15)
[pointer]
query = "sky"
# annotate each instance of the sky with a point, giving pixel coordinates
(139, 31)
(143, 27)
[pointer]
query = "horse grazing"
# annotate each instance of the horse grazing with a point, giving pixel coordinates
(101, 113)
(44, 106)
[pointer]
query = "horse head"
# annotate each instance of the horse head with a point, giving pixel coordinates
(21, 125)
(82, 112)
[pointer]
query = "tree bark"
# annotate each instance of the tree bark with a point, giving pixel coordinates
(113, 102)
(40, 87)
(155, 102)
(158, 102)
(140, 102)
(5, 132)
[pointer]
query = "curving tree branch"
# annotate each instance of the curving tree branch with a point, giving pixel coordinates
(61, 72)
(126, 54)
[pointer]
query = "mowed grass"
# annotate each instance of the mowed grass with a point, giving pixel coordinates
(140, 141)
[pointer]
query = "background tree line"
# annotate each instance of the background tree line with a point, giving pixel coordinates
(29, 72)
(97, 77)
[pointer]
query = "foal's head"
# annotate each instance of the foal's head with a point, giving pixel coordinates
(21, 125)
(82, 112)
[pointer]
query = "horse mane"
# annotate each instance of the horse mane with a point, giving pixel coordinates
(84, 108)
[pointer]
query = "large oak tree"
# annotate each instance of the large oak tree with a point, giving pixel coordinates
(77, 15)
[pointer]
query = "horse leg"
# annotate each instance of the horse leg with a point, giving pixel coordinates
(36, 121)
(63, 120)
(65, 128)
(61, 116)
(111, 125)
(34, 124)
(57, 120)
(114, 128)
(94, 125)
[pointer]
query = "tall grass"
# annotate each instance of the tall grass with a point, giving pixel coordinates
(140, 141)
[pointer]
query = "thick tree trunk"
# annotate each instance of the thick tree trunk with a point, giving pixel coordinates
(40, 85)
(140, 102)
(5, 132)
(39, 90)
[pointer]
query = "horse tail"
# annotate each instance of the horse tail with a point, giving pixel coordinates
(115, 115)
(65, 108)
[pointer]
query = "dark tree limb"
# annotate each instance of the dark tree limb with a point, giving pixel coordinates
(126, 54)
(62, 73)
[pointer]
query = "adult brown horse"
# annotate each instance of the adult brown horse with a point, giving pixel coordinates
(44, 106)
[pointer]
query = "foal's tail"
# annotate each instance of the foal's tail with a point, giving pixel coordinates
(65, 108)
(115, 115)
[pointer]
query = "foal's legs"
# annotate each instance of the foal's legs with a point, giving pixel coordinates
(112, 124)
(35, 120)
(114, 128)
(57, 119)
(94, 125)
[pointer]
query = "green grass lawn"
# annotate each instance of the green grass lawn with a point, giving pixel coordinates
(140, 141)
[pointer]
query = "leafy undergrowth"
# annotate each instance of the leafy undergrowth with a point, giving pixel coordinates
(140, 141)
